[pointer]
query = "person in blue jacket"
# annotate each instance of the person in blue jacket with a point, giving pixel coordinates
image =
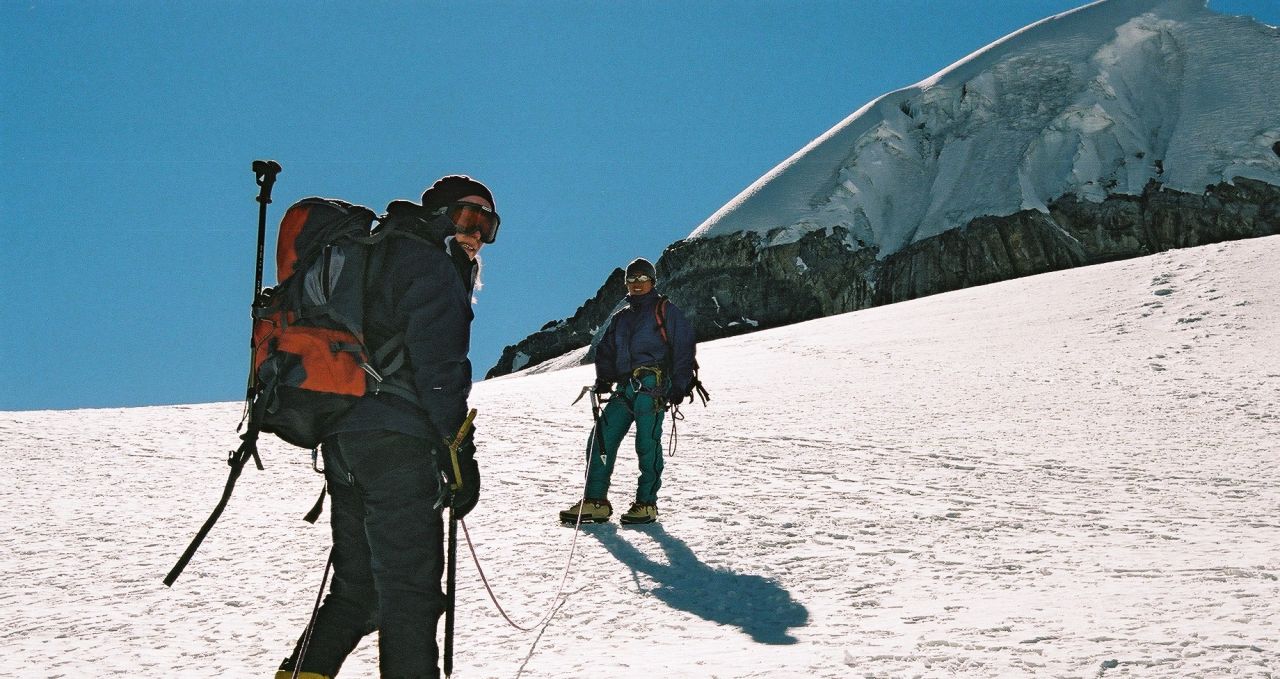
(644, 361)
(383, 459)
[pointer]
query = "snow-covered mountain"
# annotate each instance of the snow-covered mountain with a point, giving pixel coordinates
(1119, 129)
(1091, 103)
(1066, 475)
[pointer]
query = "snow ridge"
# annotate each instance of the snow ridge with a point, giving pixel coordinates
(1099, 100)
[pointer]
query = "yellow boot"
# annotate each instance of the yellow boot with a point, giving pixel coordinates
(641, 512)
(288, 674)
(597, 510)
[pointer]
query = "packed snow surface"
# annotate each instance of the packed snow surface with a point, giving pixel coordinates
(1091, 102)
(1069, 475)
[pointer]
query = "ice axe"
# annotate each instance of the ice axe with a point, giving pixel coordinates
(453, 540)
(595, 418)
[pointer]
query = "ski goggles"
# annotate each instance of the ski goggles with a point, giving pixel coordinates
(472, 218)
(642, 278)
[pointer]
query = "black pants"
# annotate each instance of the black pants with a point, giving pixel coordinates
(388, 555)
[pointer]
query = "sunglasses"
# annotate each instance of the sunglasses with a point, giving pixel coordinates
(638, 279)
(472, 218)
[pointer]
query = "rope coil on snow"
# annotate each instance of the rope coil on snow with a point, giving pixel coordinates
(553, 607)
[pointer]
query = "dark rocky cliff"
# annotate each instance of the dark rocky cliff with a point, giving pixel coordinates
(735, 284)
(557, 337)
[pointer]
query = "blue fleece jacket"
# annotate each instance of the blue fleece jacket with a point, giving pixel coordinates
(633, 340)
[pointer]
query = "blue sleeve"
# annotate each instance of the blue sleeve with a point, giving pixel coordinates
(436, 313)
(684, 348)
(607, 355)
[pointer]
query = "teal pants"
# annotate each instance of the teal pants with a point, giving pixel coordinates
(629, 404)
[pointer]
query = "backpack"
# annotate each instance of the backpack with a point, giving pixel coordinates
(310, 360)
(695, 384)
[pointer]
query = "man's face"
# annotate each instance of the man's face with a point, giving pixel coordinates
(636, 287)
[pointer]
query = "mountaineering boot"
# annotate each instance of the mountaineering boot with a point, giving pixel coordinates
(287, 667)
(597, 510)
(641, 512)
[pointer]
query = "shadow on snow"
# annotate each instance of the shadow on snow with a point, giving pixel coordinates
(757, 605)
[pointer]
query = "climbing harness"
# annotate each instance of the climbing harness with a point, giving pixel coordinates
(660, 403)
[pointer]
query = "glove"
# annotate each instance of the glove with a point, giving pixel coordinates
(602, 387)
(466, 497)
(675, 395)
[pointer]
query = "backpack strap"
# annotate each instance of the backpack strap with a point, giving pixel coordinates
(390, 358)
(695, 384)
(660, 314)
(390, 364)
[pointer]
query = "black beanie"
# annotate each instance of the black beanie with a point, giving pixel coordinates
(640, 265)
(449, 189)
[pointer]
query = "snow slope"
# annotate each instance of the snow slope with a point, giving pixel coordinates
(1094, 101)
(978, 484)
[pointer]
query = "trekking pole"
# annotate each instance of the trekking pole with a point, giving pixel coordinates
(237, 458)
(265, 172)
(453, 541)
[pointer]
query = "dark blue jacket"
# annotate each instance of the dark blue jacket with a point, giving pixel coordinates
(633, 340)
(424, 291)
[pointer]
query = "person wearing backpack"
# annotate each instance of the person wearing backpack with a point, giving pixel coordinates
(647, 351)
(383, 457)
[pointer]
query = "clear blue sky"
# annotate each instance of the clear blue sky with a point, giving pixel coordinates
(606, 130)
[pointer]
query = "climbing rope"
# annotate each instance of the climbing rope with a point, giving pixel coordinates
(554, 606)
(551, 609)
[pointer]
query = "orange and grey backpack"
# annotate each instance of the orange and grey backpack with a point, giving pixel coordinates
(311, 362)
